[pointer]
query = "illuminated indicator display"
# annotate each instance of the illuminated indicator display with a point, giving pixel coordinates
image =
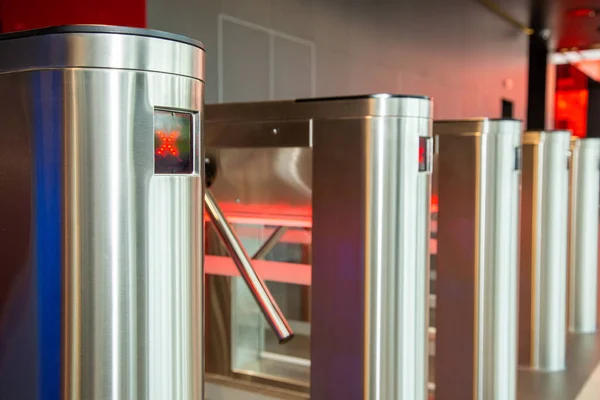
(425, 154)
(173, 147)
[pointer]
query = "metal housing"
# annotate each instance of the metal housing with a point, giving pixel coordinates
(102, 283)
(477, 178)
(544, 238)
(583, 240)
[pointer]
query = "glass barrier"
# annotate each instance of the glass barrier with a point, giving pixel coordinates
(254, 351)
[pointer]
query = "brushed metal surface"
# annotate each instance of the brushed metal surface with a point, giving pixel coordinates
(543, 263)
(261, 134)
(370, 260)
(477, 183)
(99, 50)
(380, 105)
(583, 262)
(265, 182)
(113, 253)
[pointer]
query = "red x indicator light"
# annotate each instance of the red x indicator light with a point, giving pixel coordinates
(173, 144)
(168, 144)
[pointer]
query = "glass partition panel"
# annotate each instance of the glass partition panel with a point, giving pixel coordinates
(285, 267)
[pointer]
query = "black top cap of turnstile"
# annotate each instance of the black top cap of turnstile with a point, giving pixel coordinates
(364, 96)
(106, 29)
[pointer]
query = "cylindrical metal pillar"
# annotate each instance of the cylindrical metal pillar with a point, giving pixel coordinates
(104, 149)
(543, 264)
(583, 260)
(477, 177)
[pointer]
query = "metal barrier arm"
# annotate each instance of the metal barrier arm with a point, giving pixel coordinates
(268, 245)
(257, 287)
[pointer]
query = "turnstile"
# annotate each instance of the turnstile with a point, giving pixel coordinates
(349, 179)
(100, 192)
(584, 201)
(101, 224)
(476, 178)
(543, 253)
(583, 236)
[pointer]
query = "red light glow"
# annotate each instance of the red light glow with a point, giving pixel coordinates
(167, 144)
(583, 12)
(276, 271)
(571, 100)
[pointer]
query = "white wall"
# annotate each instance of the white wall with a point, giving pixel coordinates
(454, 50)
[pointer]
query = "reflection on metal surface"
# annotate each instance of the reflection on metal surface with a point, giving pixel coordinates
(353, 176)
(476, 265)
(543, 266)
(259, 290)
(101, 245)
(583, 261)
(270, 183)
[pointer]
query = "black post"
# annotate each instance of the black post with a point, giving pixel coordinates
(538, 59)
(593, 116)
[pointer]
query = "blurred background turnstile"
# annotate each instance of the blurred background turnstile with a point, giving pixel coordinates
(543, 253)
(476, 180)
(331, 196)
(583, 236)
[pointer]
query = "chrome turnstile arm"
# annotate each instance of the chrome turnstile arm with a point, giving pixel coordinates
(257, 286)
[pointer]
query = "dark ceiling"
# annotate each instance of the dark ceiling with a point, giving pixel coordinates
(576, 23)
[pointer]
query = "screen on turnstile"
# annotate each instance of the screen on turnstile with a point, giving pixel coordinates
(173, 143)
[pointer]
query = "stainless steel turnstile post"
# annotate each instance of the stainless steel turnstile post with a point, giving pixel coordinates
(101, 193)
(477, 177)
(543, 263)
(583, 248)
(370, 256)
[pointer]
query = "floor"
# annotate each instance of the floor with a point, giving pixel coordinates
(579, 381)
(591, 390)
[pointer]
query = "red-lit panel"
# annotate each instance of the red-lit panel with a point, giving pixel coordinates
(571, 111)
(571, 101)
(18, 15)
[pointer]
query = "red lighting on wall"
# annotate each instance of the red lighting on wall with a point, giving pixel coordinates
(168, 144)
(583, 12)
(571, 101)
(571, 111)
(18, 15)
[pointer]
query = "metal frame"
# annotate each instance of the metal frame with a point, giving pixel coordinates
(476, 178)
(370, 227)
